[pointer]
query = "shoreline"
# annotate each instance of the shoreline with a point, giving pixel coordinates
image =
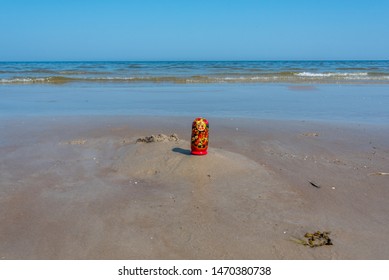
(81, 188)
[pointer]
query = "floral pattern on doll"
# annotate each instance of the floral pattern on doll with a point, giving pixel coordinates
(200, 133)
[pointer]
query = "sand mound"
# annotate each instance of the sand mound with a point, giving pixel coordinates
(168, 160)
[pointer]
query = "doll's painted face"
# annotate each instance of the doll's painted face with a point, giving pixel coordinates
(201, 125)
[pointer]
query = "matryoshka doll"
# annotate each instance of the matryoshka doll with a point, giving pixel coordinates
(199, 140)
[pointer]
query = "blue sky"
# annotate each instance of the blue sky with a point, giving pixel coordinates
(193, 30)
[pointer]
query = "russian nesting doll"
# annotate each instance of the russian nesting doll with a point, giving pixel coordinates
(199, 140)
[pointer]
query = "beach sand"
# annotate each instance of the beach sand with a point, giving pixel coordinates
(82, 188)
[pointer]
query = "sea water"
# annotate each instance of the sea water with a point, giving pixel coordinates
(346, 91)
(195, 72)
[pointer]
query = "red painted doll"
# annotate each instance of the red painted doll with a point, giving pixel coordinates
(199, 140)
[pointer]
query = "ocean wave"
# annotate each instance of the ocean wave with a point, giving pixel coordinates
(280, 77)
(309, 74)
(191, 72)
(363, 76)
(37, 80)
(23, 80)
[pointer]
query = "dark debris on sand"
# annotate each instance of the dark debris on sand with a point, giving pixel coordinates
(158, 138)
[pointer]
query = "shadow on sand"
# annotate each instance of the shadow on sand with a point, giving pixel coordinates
(182, 151)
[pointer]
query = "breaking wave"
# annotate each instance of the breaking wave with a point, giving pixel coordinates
(303, 77)
(195, 72)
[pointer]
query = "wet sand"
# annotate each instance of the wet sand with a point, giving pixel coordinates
(82, 188)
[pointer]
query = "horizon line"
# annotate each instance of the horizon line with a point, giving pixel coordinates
(195, 60)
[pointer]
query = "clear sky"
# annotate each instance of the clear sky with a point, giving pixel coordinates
(193, 29)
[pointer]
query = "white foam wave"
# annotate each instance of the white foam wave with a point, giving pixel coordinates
(317, 75)
(265, 78)
(23, 80)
